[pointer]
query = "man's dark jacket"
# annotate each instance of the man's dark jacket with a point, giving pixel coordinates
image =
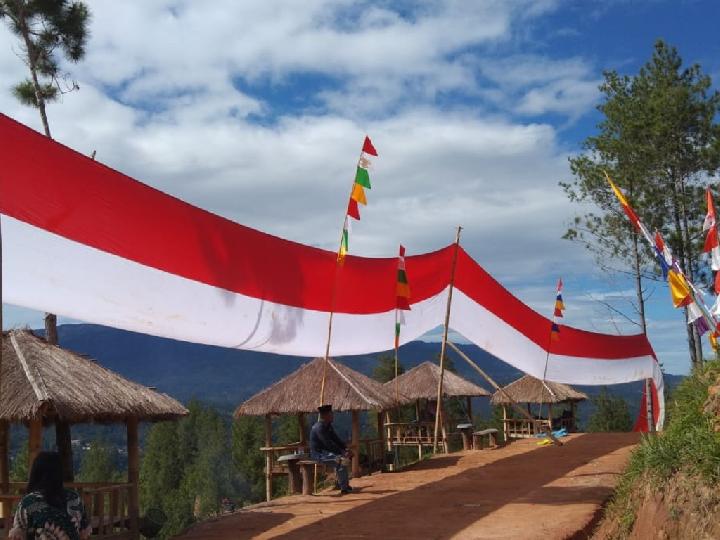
(324, 439)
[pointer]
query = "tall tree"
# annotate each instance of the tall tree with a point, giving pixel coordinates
(611, 413)
(186, 468)
(384, 371)
(46, 27)
(661, 143)
(99, 464)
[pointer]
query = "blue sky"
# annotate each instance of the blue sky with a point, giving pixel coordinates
(255, 110)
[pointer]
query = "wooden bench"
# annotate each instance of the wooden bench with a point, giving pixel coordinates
(466, 431)
(479, 437)
(307, 469)
(292, 462)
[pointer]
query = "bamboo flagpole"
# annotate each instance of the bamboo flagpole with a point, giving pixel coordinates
(443, 346)
(402, 303)
(360, 181)
(558, 308)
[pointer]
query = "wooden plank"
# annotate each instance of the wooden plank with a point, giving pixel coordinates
(34, 440)
(133, 450)
(302, 428)
(5, 509)
(63, 439)
(354, 443)
(268, 458)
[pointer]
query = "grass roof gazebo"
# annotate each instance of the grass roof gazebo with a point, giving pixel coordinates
(298, 393)
(421, 382)
(43, 384)
(531, 390)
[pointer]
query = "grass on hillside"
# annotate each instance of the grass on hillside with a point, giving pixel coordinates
(688, 445)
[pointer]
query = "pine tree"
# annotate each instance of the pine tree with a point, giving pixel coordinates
(98, 464)
(660, 141)
(611, 413)
(384, 371)
(247, 438)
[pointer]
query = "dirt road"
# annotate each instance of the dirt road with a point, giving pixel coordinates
(520, 491)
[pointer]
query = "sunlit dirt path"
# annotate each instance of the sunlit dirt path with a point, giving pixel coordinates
(520, 491)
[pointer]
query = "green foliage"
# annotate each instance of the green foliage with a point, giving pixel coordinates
(187, 468)
(688, 445)
(611, 413)
(247, 438)
(660, 142)
(98, 464)
(19, 468)
(44, 29)
(384, 371)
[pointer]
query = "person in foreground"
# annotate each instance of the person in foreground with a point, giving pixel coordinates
(48, 510)
(327, 447)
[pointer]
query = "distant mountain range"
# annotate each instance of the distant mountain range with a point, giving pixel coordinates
(226, 377)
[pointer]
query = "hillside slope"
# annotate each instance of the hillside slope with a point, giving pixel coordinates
(670, 490)
(226, 377)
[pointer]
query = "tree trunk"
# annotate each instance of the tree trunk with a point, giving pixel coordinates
(32, 64)
(683, 261)
(643, 326)
(638, 283)
(50, 319)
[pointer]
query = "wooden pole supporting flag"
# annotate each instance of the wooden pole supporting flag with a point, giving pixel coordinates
(547, 359)
(338, 264)
(497, 387)
(443, 346)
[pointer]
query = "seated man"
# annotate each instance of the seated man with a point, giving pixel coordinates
(327, 447)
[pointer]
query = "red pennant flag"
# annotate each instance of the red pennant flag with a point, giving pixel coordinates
(368, 147)
(353, 211)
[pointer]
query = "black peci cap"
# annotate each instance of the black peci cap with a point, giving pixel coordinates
(324, 409)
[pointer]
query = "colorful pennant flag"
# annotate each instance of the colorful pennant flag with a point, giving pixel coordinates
(558, 312)
(697, 318)
(368, 147)
(559, 305)
(357, 194)
(663, 255)
(402, 295)
(344, 242)
(554, 332)
(679, 289)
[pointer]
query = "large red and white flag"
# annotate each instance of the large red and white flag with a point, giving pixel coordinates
(85, 241)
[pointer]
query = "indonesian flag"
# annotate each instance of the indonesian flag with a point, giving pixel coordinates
(87, 242)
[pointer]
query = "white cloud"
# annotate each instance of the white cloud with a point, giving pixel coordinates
(160, 100)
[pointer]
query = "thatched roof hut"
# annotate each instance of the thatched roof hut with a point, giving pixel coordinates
(345, 389)
(421, 382)
(528, 389)
(39, 379)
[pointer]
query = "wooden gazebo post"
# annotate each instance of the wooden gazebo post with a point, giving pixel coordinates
(268, 457)
(355, 444)
(302, 430)
(34, 439)
(4, 463)
(133, 452)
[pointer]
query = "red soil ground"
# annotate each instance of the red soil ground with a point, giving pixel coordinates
(519, 491)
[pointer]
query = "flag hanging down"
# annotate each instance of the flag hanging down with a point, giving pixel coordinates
(557, 312)
(712, 244)
(663, 255)
(85, 241)
(559, 305)
(402, 295)
(357, 194)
